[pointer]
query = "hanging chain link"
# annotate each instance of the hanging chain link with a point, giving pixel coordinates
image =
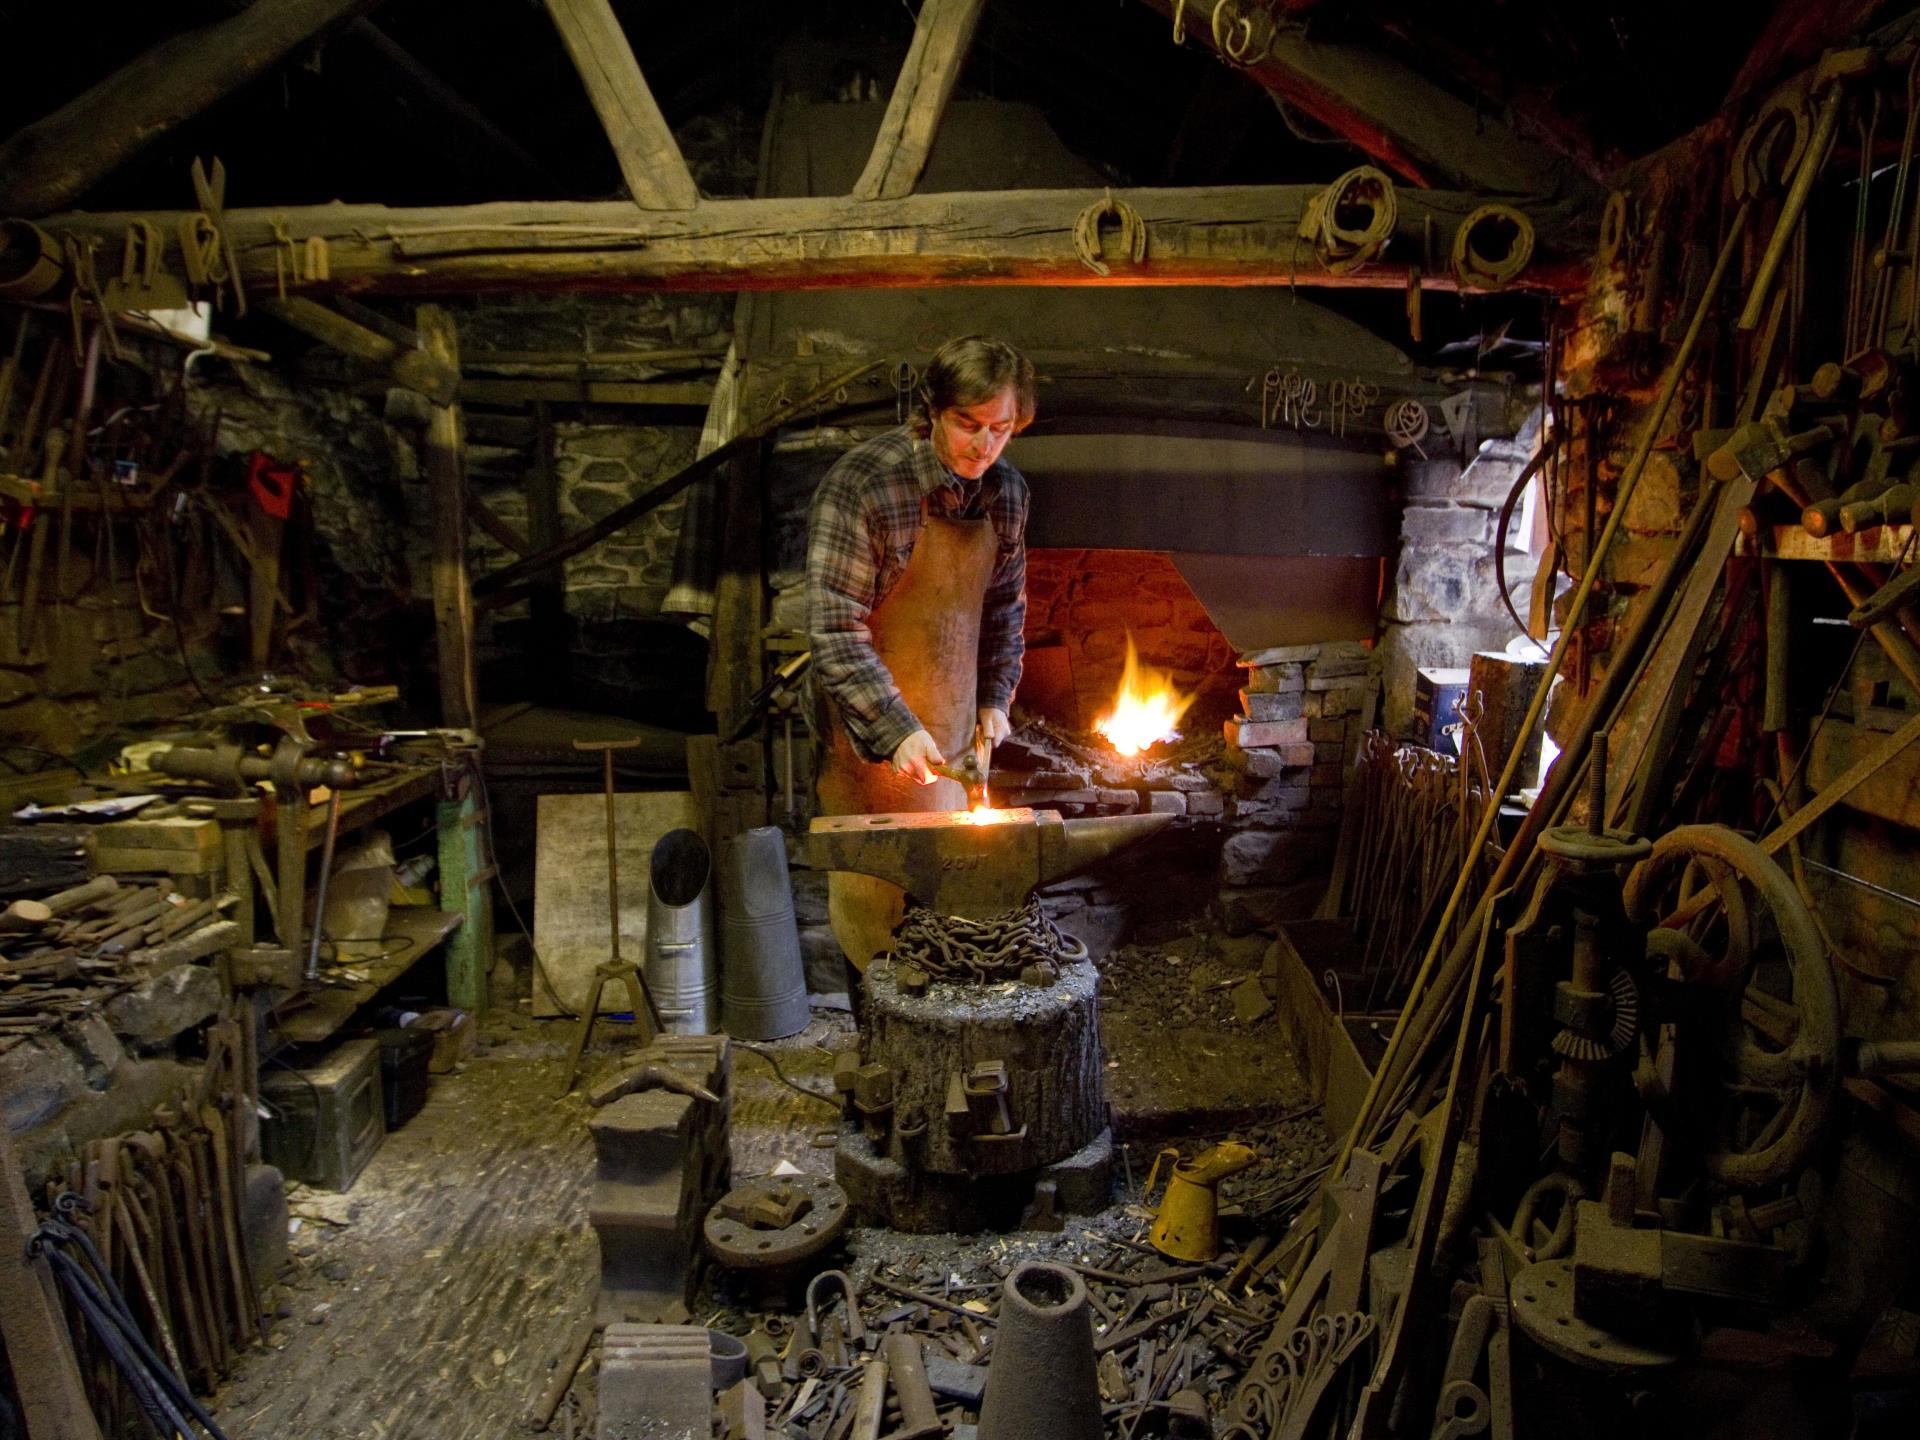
(950, 947)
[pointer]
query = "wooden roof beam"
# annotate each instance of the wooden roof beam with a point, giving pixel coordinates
(58, 158)
(655, 171)
(1217, 235)
(941, 38)
(413, 368)
(1399, 117)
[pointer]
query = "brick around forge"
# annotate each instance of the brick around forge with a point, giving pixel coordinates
(1334, 704)
(1279, 655)
(1264, 764)
(1251, 734)
(1276, 679)
(1264, 705)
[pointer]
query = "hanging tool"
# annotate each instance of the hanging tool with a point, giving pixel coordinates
(37, 523)
(271, 483)
(205, 243)
(621, 971)
(1834, 66)
(143, 282)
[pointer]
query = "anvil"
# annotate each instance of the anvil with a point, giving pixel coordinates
(956, 863)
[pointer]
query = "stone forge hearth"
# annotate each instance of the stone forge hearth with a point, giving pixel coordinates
(1257, 798)
(1083, 606)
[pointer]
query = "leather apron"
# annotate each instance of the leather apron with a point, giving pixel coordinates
(926, 631)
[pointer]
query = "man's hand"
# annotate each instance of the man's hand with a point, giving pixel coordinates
(994, 724)
(913, 754)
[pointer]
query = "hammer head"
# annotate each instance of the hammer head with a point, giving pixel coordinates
(1758, 449)
(975, 865)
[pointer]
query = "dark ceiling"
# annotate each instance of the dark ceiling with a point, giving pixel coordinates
(343, 120)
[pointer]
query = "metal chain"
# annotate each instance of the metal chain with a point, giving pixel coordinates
(951, 947)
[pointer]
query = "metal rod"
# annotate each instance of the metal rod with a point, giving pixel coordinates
(613, 857)
(1863, 884)
(320, 893)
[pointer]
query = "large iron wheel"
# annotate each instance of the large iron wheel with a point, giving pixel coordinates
(1728, 918)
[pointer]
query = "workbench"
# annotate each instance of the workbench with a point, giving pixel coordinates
(464, 924)
(413, 932)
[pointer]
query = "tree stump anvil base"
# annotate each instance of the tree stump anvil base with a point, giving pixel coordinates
(970, 1096)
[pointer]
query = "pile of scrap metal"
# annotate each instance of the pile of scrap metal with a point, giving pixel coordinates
(69, 954)
(1056, 1347)
(160, 1239)
(1413, 814)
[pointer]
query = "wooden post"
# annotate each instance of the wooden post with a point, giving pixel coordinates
(655, 171)
(447, 488)
(466, 888)
(941, 37)
(39, 1348)
(550, 653)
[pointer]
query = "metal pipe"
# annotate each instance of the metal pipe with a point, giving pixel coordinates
(326, 874)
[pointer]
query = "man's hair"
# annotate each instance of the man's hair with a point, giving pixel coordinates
(972, 370)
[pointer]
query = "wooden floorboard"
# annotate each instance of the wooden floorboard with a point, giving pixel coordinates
(464, 1262)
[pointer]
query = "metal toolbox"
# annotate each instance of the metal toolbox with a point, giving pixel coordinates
(328, 1117)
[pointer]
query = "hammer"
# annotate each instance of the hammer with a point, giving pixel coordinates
(1761, 448)
(971, 772)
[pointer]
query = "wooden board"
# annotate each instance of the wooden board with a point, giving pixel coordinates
(41, 1350)
(413, 932)
(570, 885)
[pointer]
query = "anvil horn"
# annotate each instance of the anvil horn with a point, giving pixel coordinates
(1075, 844)
(955, 865)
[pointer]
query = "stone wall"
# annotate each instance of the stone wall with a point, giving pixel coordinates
(107, 660)
(619, 654)
(1287, 755)
(1444, 601)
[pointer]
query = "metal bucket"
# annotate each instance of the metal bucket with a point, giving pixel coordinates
(681, 968)
(763, 983)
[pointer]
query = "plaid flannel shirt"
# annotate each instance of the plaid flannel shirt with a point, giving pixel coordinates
(865, 518)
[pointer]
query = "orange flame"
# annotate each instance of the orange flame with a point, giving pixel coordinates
(1145, 710)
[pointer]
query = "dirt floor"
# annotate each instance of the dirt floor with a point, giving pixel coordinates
(428, 1303)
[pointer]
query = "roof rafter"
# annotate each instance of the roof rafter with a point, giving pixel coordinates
(655, 171)
(941, 37)
(1399, 117)
(58, 158)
